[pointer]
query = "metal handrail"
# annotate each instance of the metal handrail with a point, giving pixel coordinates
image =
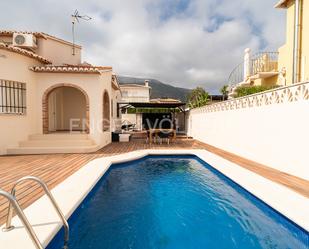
(237, 75)
(13, 203)
(264, 62)
(259, 62)
(9, 226)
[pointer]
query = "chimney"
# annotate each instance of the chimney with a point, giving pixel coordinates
(147, 83)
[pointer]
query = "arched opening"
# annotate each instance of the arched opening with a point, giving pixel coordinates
(106, 112)
(65, 109)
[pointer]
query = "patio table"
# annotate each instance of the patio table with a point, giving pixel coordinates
(157, 131)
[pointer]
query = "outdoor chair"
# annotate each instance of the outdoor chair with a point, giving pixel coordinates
(153, 137)
(164, 136)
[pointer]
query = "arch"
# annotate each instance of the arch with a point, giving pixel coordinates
(106, 111)
(45, 105)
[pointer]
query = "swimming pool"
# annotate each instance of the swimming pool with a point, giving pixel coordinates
(176, 202)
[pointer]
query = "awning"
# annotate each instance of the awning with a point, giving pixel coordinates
(152, 104)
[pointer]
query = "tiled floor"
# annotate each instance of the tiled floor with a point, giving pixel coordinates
(53, 169)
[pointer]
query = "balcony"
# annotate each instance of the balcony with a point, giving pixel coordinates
(259, 66)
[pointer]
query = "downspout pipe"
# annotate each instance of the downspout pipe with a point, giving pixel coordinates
(296, 49)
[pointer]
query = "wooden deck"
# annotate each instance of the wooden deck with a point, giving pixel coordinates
(53, 169)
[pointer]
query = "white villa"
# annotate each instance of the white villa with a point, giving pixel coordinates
(236, 171)
(138, 94)
(45, 88)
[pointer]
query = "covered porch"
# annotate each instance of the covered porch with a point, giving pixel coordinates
(154, 119)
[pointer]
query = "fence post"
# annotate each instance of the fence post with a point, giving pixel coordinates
(247, 64)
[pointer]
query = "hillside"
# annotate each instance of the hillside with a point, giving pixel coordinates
(158, 89)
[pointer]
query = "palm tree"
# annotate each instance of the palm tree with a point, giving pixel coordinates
(224, 90)
(198, 97)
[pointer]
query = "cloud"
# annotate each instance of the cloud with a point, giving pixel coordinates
(183, 42)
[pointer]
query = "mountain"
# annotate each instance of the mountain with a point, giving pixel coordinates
(158, 88)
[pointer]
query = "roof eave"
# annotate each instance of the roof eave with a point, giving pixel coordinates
(25, 53)
(39, 35)
(282, 4)
(115, 82)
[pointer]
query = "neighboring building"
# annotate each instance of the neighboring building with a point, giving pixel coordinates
(134, 93)
(258, 69)
(139, 110)
(294, 55)
(290, 64)
(44, 88)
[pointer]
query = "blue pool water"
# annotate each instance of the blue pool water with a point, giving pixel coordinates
(176, 202)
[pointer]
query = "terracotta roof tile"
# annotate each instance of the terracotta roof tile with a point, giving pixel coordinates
(37, 34)
(165, 100)
(11, 32)
(24, 52)
(69, 69)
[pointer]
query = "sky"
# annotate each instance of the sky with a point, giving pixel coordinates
(186, 43)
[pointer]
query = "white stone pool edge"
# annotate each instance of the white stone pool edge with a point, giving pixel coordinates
(71, 192)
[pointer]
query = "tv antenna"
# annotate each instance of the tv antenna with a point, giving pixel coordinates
(75, 18)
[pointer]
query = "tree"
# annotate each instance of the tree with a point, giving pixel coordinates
(198, 97)
(224, 90)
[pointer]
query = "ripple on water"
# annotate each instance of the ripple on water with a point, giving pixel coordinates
(176, 203)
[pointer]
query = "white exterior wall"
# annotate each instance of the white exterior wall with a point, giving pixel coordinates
(274, 134)
(59, 52)
(14, 128)
(135, 94)
(116, 121)
(15, 67)
(93, 84)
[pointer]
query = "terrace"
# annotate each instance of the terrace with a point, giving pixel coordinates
(55, 168)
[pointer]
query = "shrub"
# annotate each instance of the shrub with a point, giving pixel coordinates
(198, 97)
(248, 90)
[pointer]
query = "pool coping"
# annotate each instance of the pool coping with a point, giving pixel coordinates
(72, 191)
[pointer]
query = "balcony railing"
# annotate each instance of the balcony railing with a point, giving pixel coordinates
(264, 62)
(237, 75)
(259, 63)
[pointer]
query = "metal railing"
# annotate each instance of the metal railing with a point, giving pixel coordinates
(237, 75)
(264, 62)
(14, 204)
(260, 62)
(12, 97)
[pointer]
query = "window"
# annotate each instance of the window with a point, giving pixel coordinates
(12, 97)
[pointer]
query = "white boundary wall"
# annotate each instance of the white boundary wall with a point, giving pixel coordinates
(271, 128)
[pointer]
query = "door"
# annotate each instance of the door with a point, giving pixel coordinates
(52, 108)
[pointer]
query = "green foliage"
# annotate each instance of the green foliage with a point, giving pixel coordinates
(224, 91)
(248, 90)
(198, 97)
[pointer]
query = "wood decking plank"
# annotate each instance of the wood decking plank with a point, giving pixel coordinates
(56, 168)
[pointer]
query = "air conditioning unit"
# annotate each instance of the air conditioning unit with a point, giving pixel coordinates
(24, 40)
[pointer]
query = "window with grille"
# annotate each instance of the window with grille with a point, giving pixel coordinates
(12, 97)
